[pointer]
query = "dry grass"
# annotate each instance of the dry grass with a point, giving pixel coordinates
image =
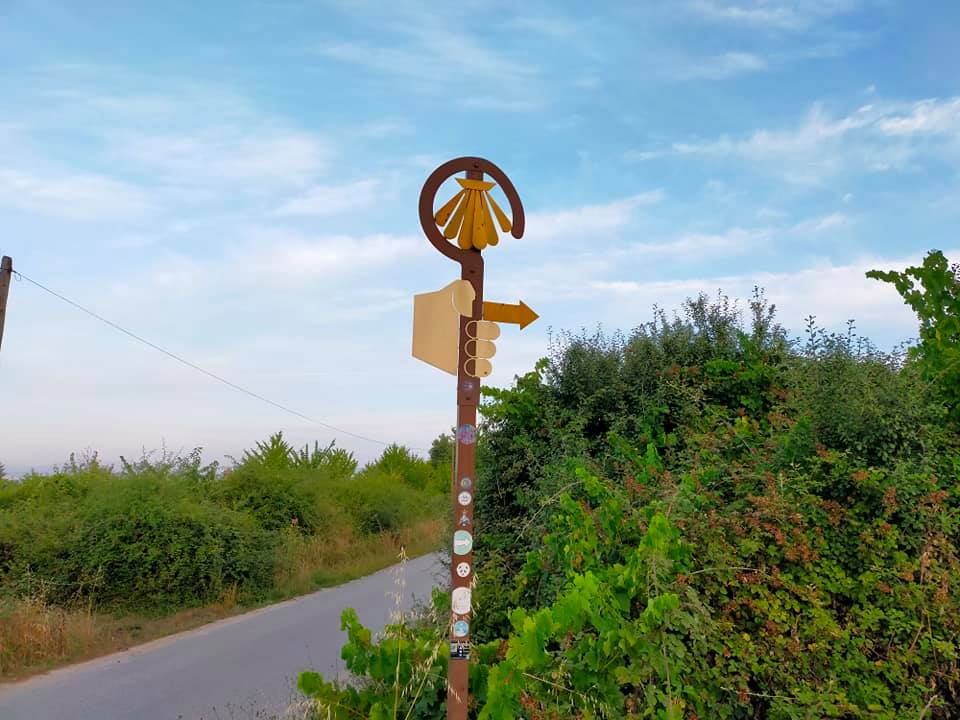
(36, 636)
(309, 563)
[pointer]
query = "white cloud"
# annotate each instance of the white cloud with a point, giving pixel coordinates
(877, 137)
(724, 66)
(699, 246)
(833, 293)
(421, 48)
(820, 224)
(74, 196)
(929, 117)
(300, 259)
(459, 54)
(254, 157)
(589, 220)
(387, 128)
(771, 14)
(553, 27)
(332, 199)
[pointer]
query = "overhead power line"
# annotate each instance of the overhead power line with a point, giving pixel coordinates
(194, 366)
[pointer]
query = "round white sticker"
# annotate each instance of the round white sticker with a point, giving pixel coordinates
(463, 569)
(464, 498)
(460, 600)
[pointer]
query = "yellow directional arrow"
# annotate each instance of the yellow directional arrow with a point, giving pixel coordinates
(520, 314)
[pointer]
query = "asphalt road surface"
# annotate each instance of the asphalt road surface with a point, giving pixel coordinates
(242, 668)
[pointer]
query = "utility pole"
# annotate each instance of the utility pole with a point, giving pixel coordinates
(6, 272)
(454, 330)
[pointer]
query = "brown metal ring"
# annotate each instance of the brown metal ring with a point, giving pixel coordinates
(429, 192)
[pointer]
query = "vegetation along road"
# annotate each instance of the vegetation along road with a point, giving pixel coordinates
(242, 667)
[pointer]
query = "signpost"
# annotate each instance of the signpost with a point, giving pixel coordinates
(454, 330)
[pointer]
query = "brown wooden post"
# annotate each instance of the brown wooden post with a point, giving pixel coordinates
(468, 398)
(6, 272)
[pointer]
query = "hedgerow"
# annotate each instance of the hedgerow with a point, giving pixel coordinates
(167, 532)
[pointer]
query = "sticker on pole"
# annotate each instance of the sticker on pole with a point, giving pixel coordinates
(467, 434)
(464, 498)
(460, 600)
(460, 650)
(463, 569)
(461, 628)
(466, 483)
(462, 542)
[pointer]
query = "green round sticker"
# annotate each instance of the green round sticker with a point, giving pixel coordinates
(462, 542)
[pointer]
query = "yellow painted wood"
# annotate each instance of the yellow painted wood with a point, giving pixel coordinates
(478, 367)
(453, 227)
(436, 324)
(481, 349)
(479, 221)
(489, 227)
(502, 218)
(475, 184)
(443, 214)
(482, 330)
(466, 230)
(520, 314)
(467, 216)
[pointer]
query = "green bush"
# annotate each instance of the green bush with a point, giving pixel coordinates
(706, 520)
(377, 501)
(400, 463)
(168, 531)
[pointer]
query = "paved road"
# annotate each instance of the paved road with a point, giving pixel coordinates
(236, 669)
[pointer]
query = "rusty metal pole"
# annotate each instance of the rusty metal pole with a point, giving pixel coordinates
(6, 272)
(468, 398)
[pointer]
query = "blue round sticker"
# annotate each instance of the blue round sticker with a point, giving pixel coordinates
(460, 628)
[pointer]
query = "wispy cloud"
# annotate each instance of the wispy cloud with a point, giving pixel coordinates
(299, 259)
(551, 26)
(387, 128)
(877, 137)
(417, 53)
(821, 224)
(723, 66)
(332, 199)
(927, 117)
(701, 246)
(73, 196)
(253, 157)
(832, 292)
(770, 14)
(588, 220)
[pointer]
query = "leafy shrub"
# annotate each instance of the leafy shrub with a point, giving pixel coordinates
(705, 520)
(168, 531)
(415, 472)
(376, 502)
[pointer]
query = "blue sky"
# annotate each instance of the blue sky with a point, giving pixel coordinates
(237, 181)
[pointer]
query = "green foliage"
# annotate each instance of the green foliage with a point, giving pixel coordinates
(932, 290)
(167, 531)
(377, 502)
(399, 463)
(704, 520)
